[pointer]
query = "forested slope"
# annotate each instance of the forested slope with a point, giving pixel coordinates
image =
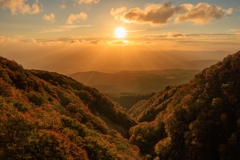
(198, 120)
(46, 115)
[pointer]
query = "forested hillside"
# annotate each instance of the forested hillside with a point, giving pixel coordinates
(46, 115)
(199, 120)
(127, 100)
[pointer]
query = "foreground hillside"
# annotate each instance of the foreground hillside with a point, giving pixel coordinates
(196, 121)
(46, 115)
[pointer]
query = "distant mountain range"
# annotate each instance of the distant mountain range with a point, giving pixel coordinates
(46, 115)
(111, 61)
(141, 82)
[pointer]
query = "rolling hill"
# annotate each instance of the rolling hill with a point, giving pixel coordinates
(45, 115)
(197, 120)
(137, 82)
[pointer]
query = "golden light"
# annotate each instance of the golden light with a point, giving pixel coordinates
(120, 32)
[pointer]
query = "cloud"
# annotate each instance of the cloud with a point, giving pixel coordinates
(234, 31)
(94, 41)
(155, 14)
(16, 40)
(160, 14)
(74, 17)
(175, 35)
(62, 28)
(19, 6)
(63, 6)
(88, 1)
(50, 17)
(202, 13)
(120, 42)
(116, 13)
(21, 41)
(229, 11)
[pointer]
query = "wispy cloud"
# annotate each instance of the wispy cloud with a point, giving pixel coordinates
(21, 41)
(175, 35)
(63, 6)
(234, 31)
(19, 6)
(74, 17)
(165, 41)
(88, 1)
(62, 28)
(50, 17)
(120, 42)
(6, 40)
(160, 14)
(117, 13)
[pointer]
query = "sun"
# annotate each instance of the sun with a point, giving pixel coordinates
(120, 32)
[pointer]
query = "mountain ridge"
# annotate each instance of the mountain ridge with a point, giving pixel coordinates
(49, 115)
(196, 120)
(141, 82)
(46, 115)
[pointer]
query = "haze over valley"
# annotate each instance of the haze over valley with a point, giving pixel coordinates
(120, 80)
(135, 82)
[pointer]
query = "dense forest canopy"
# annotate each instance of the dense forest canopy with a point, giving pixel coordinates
(197, 120)
(46, 115)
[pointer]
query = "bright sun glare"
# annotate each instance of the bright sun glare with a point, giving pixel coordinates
(120, 32)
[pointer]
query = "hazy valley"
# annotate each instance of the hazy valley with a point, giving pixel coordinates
(119, 80)
(134, 82)
(49, 115)
(129, 87)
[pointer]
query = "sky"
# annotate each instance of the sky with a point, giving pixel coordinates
(68, 36)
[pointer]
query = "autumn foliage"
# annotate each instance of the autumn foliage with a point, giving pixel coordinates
(45, 115)
(50, 116)
(198, 120)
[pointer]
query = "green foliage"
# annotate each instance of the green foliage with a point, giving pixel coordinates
(145, 136)
(201, 119)
(141, 110)
(37, 98)
(85, 96)
(98, 149)
(74, 124)
(21, 106)
(128, 100)
(5, 89)
(64, 99)
(68, 92)
(64, 124)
